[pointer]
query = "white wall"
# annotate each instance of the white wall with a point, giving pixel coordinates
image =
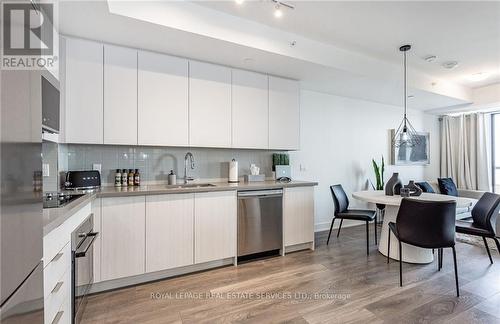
(486, 95)
(339, 138)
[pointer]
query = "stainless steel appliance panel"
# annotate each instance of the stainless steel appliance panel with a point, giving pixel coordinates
(50, 104)
(259, 221)
(21, 216)
(82, 266)
(25, 306)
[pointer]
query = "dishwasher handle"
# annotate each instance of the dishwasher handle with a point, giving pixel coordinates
(260, 193)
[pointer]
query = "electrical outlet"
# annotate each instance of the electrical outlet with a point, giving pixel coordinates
(302, 167)
(46, 169)
(96, 167)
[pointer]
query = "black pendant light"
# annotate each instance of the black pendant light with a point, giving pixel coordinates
(405, 134)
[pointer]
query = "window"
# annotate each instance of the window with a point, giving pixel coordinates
(496, 152)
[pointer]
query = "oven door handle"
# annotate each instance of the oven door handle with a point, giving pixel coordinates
(80, 253)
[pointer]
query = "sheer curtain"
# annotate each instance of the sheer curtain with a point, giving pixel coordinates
(466, 150)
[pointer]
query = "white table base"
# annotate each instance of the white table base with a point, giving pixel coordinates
(411, 254)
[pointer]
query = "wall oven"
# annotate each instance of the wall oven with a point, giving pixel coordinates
(82, 266)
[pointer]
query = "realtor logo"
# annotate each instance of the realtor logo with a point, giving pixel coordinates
(28, 35)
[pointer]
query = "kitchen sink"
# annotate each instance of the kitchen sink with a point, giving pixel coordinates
(190, 186)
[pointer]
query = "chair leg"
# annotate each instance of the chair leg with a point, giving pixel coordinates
(487, 249)
(400, 266)
(498, 244)
(456, 271)
(388, 245)
(375, 228)
(367, 239)
(440, 257)
(330, 233)
(341, 221)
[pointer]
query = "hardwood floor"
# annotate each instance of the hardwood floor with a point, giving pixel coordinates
(333, 284)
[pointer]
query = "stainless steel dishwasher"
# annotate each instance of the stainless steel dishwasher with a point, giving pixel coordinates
(260, 221)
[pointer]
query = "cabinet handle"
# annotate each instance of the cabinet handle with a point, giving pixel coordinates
(57, 256)
(57, 317)
(57, 287)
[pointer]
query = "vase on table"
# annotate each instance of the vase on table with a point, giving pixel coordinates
(415, 190)
(394, 185)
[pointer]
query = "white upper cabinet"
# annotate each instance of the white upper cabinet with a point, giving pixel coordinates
(117, 95)
(209, 105)
(163, 100)
(120, 95)
(250, 117)
(83, 92)
(284, 114)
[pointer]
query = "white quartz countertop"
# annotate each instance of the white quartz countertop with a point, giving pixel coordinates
(53, 217)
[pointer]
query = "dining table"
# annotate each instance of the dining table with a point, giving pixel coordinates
(410, 253)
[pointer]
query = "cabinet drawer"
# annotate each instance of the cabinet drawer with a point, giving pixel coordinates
(56, 298)
(60, 236)
(56, 268)
(63, 316)
(54, 242)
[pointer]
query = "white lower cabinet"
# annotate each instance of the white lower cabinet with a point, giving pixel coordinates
(122, 237)
(298, 215)
(57, 268)
(214, 225)
(96, 210)
(169, 231)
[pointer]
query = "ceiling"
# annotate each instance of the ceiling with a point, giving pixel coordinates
(348, 63)
(467, 32)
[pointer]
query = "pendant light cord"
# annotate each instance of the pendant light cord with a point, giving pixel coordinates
(405, 87)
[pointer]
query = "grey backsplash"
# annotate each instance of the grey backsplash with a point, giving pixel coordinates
(154, 163)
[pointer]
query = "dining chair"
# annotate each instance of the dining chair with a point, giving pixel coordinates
(425, 224)
(484, 217)
(342, 212)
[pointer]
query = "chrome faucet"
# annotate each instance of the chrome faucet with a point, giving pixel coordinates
(189, 156)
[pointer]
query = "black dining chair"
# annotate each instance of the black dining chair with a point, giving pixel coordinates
(484, 218)
(342, 212)
(425, 224)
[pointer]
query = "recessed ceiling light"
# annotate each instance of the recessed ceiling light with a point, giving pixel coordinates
(478, 76)
(248, 60)
(450, 65)
(239, 1)
(278, 13)
(430, 58)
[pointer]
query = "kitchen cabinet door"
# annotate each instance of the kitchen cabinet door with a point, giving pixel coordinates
(120, 95)
(163, 100)
(209, 105)
(298, 215)
(284, 114)
(169, 231)
(122, 237)
(250, 116)
(214, 226)
(96, 211)
(83, 92)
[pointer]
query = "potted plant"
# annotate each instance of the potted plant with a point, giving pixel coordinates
(379, 177)
(379, 174)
